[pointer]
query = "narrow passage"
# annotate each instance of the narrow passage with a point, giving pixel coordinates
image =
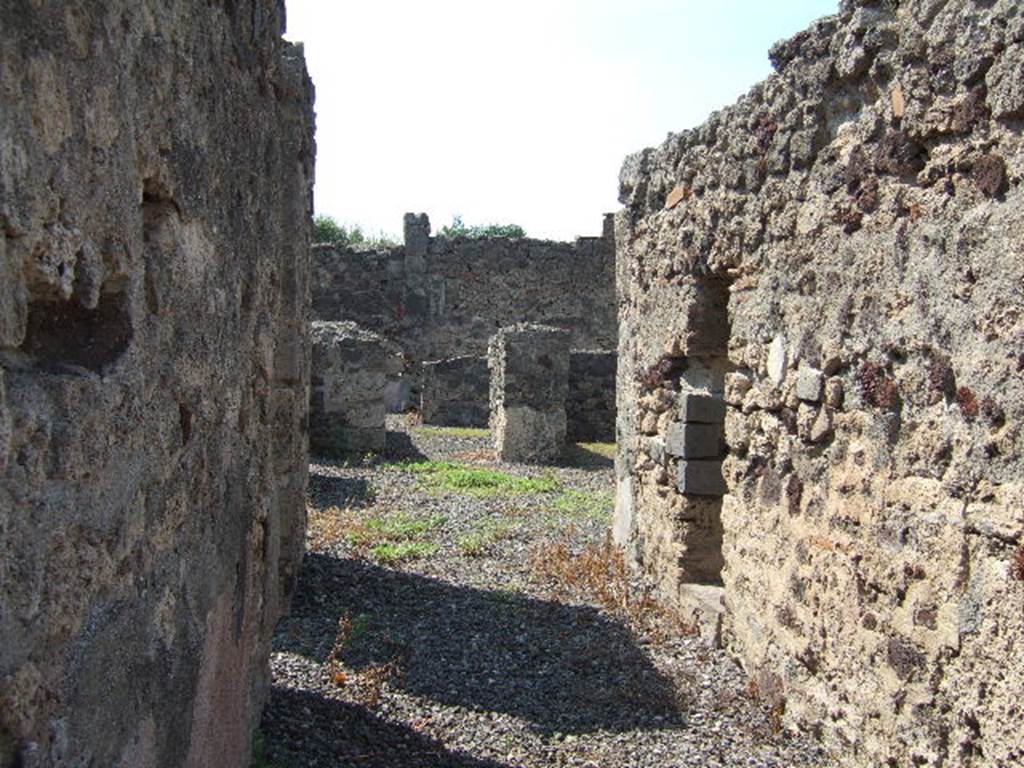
(453, 611)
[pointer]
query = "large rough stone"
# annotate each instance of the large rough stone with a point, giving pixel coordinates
(862, 209)
(701, 477)
(696, 407)
(694, 441)
(347, 408)
(529, 366)
(156, 161)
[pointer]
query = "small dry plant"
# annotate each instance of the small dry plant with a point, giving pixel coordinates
(326, 527)
(599, 572)
(367, 685)
(768, 691)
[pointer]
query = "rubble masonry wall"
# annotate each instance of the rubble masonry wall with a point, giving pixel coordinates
(445, 297)
(154, 364)
(838, 260)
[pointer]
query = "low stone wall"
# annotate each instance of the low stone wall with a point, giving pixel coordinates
(838, 259)
(347, 396)
(529, 382)
(590, 402)
(156, 162)
(455, 392)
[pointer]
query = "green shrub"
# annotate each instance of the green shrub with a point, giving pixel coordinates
(458, 228)
(329, 232)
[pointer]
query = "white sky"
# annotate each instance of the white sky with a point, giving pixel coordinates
(516, 112)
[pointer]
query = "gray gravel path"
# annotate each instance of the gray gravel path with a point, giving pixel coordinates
(480, 651)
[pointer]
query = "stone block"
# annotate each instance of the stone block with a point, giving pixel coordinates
(701, 408)
(701, 477)
(529, 382)
(693, 440)
(809, 384)
(526, 435)
(777, 360)
(347, 395)
(416, 231)
(702, 606)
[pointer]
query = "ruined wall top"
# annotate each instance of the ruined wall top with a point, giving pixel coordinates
(439, 297)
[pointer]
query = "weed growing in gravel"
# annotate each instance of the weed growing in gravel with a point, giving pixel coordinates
(453, 431)
(389, 538)
(326, 527)
(598, 571)
(398, 552)
(350, 633)
(584, 505)
(484, 535)
(458, 478)
(508, 597)
(398, 527)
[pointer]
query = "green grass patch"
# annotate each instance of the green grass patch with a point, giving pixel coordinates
(394, 538)
(453, 431)
(607, 450)
(485, 535)
(473, 481)
(401, 527)
(584, 505)
(396, 552)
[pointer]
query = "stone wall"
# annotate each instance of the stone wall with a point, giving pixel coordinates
(529, 366)
(455, 392)
(156, 161)
(838, 258)
(439, 297)
(590, 402)
(349, 371)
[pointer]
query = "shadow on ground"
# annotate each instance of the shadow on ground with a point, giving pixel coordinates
(331, 490)
(567, 669)
(324, 731)
(399, 445)
(580, 456)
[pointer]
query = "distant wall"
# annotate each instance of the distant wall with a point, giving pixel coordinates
(438, 297)
(455, 392)
(590, 404)
(156, 164)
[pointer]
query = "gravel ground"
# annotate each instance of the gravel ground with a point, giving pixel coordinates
(506, 642)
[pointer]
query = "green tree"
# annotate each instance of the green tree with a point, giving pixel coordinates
(458, 228)
(326, 230)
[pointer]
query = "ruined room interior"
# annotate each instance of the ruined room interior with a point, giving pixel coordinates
(734, 479)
